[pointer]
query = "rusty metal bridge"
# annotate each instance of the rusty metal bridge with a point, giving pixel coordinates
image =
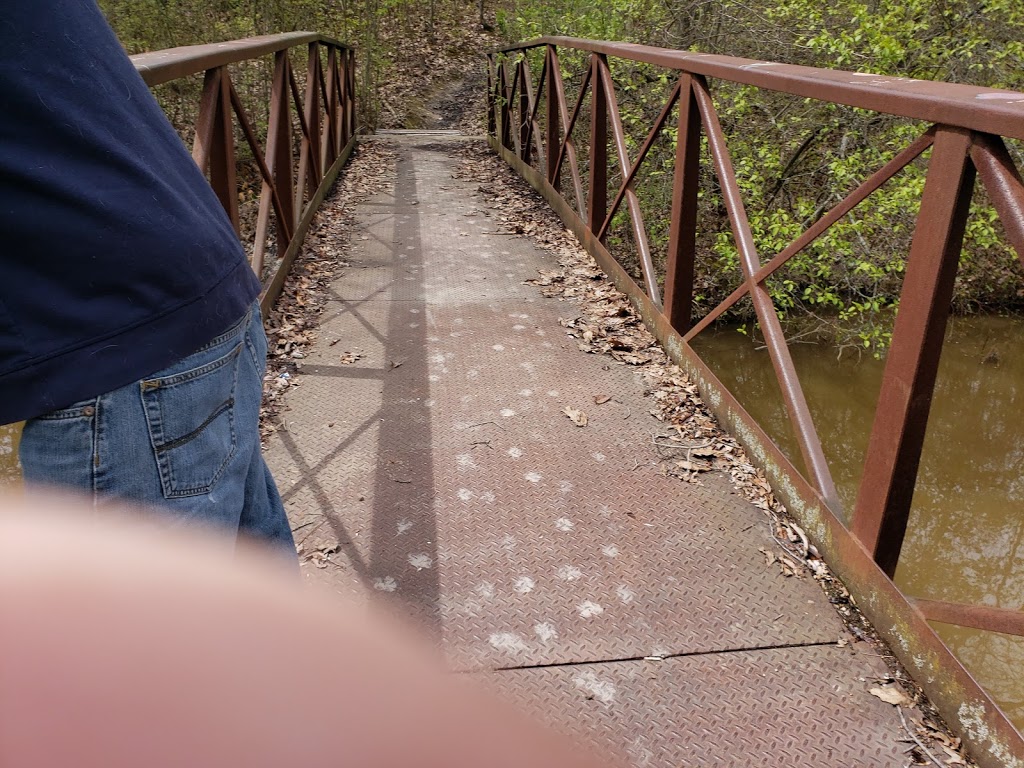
(437, 469)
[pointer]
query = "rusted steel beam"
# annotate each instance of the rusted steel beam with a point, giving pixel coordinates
(310, 167)
(513, 93)
(492, 122)
(535, 99)
(775, 340)
(307, 161)
(351, 102)
(894, 451)
(209, 103)
(555, 106)
(981, 109)
(645, 148)
(974, 616)
(158, 67)
(525, 109)
(966, 706)
(328, 124)
(597, 204)
(268, 182)
(223, 177)
(682, 236)
(335, 100)
(851, 201)
(636, 217)
(506, 112)
(568, 148)
(278, 189)
(1003, 183)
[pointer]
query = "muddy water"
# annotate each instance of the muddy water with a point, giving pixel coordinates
(966, 537)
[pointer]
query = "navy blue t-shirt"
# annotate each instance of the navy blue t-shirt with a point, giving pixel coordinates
(116, 258)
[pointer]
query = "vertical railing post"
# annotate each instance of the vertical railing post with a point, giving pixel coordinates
(222, 153)
(214, 147)
(894, 452)
(343, 134)
(551, 141)
(309, 159)
(279, 146)
(597, 205)
(506, 122)
(351, 94)
(524, 110)
(329, 128)
(683, 228)
(492, 123)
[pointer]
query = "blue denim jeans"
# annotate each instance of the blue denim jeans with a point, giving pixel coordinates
(184, 441)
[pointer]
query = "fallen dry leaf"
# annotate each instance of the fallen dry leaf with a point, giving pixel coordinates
(601, 399)
(351, 357)
(891, 694)
(954, 757)
(579, 418)
(691, 466)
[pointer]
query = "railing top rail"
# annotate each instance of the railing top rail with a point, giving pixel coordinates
(966, 106)
(158, 67)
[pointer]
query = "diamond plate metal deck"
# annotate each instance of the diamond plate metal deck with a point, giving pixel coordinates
(441, 468)
(789, 707)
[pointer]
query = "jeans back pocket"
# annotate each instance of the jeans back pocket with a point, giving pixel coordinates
(191, 418)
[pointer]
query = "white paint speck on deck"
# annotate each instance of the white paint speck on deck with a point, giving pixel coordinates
(498, 348)
(602, 690)
(610, 550)
(514, 452)
(465, 494)
(565, 486)
(564, 524)
(599, 456)
(385, 584)
(569, 573)
(509, 642)
(545, 631)
(524, 585)
(421, 561)
(525, 392)
(625, 594)
(465, 461)
(588, 609)
(485, 589)
(533, 477)
(403, 526)
(552, 393)
(507, 412)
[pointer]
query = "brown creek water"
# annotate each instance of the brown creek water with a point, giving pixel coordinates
(965, 541)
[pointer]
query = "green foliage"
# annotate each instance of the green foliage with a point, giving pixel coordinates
(794, 158)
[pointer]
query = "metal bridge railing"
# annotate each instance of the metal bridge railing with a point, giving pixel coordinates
(966, 126)
(296, 171)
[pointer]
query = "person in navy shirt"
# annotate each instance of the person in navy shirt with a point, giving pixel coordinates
(129, 339)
